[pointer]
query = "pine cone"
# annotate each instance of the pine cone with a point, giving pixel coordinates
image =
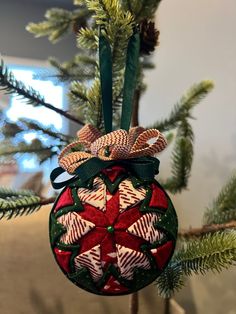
(78, 24)
(149, 37)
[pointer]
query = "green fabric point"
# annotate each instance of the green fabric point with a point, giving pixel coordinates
(168, 222)
(56, 229)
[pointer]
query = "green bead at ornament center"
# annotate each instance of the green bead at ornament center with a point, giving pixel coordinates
(110, 229)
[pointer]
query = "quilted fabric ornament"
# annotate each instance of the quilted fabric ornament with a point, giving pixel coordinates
(113, 228)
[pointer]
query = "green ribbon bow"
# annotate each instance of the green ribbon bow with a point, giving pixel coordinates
(143, 168)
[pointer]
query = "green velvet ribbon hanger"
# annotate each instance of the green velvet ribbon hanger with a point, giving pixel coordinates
(130, 80)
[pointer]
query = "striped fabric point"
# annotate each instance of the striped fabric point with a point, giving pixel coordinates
(92, 261)
(128, 260)
(76, 227)
(144, 228)
(129, 196)
(95, 197)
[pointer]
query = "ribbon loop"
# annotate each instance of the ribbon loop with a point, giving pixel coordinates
(143, 148)
(116, 142)
(114, 146)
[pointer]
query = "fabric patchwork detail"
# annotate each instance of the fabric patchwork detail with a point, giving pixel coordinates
(144, 228)
(63, 259)
(92, 261)
(129, 196)
(128, 260)
(158, 198)
(114, 172)
(95, 197)
(114, 286)
(76, 227)
(162, 254)
(65, 199)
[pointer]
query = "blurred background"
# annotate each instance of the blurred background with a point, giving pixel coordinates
(197, 41)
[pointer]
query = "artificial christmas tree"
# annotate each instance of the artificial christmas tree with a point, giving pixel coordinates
(209, 248)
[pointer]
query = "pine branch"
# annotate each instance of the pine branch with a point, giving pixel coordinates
(88, 38)
(198, 232)
(141, 9)
(33, 125)
(20, 205)
(80, 68)
(212, 252)
(8, 192)
(11, 130)
(59, 22)
(22, 148)
(42, 152)
(182, 159)
(171, 280)
(10, 85)
(183, 108)
(223, 208)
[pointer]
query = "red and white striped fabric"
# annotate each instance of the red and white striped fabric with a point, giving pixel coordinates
(129, 196)
(128, 260)
(91, 260)
(144, 228)
(76, 227)
(97, 198)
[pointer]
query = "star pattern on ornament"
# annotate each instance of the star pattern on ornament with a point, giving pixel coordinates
(110, 231)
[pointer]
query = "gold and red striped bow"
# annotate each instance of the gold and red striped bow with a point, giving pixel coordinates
(116, 145)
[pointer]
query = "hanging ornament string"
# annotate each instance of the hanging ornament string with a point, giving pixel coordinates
(131, 74)
(130, 80)
(105, 63)
(127, 147)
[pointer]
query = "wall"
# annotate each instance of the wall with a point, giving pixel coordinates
(16, 41)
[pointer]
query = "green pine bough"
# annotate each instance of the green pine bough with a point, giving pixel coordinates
(212, 252)
(18, 203)
(223, 208)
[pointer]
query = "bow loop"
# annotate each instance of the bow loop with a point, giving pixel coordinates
(141, 146)
(88, 134)
(111, 146)
(116, 145)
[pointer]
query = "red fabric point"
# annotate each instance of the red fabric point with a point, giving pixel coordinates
(114, 287)
(91, 239)
(112, 207)
(128, 240)
(158, 198)
(65, 199)
(127, 218)
(63, 259)
(94, 215)
(114, 172)
(162, 254)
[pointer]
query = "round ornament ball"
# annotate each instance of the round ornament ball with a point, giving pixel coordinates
(114, 235)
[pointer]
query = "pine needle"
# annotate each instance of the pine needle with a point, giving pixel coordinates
(223, 208)
(213, 252)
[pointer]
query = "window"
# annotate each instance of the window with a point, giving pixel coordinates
(53, 94)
